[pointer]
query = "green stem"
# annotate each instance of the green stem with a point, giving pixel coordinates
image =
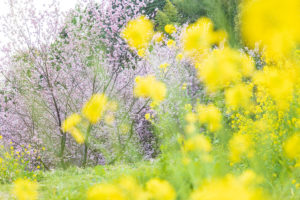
(86, 145)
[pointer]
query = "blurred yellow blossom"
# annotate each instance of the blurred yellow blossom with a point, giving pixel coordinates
(138, 32)
(171, 43)
(24, 189)
(223, 67)
(94, 108)
(198, 38)
(198, 142)
(209, 115)
(158, 37)
(179, 57)
(238, 96)
(240, 145)
(229, 188)
(164, 66)
(160, 189)
(105, 192)
(292, 146)
(272, 23)
(69, 125)
(141, 52)
(71, 121)
(148, 86)
(169, 28)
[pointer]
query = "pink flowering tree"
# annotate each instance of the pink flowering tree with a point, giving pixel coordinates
(53, 63)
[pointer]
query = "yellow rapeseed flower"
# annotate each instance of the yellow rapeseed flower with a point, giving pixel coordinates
(69, 125)
(198, 142)
(147, 116)
(223, 67)
(148, 86)
(138, 32)
(105, 192)
(164, 65)
(160, 189)
(169, 28)
(272, 23)
(141, 52)
(230, 187)
(77, 135)
(210, 115)
(25, 189)
(199, 37)
(240, 145)
(238, 96)
(158, 37)
(179, 57)
(71, 122)
(278, 83)
(94, 108)
(292, 146)
(132, 189)
(171, 43)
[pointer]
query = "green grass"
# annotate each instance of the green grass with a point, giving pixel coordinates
(73, 183)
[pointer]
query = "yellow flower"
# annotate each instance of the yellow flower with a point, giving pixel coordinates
(1, 137)
(210, 115)
(132, 189)
(69, 125)
(240, 145)
(147, 116)
(229, 187)
(141, 52)
(198, 142)
(169, 28)
(164, 66)
(272, 23)
(278, 83)
(292, 146)
(179, 57)
(191, 117)
(160, 189)
(72, 121)
(138, 32)
(158, 37)
(148, 86)
(190, 128)
(199, 37)
(171, 43)
(77, 135)
(94, 108)
(25, 189)
(184, 86)
(188, 107)
(223, 67)
(105, 192)
(238, 96)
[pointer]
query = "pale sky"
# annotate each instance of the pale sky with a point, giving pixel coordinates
(65, 5)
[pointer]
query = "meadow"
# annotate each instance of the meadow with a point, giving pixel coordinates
(151, 100)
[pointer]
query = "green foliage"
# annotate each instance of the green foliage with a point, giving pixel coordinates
(169, 15)
(224, 14)
(151, 7)
(191, 10)
(13, 165)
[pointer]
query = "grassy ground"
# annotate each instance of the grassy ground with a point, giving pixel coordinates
(73, 183)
